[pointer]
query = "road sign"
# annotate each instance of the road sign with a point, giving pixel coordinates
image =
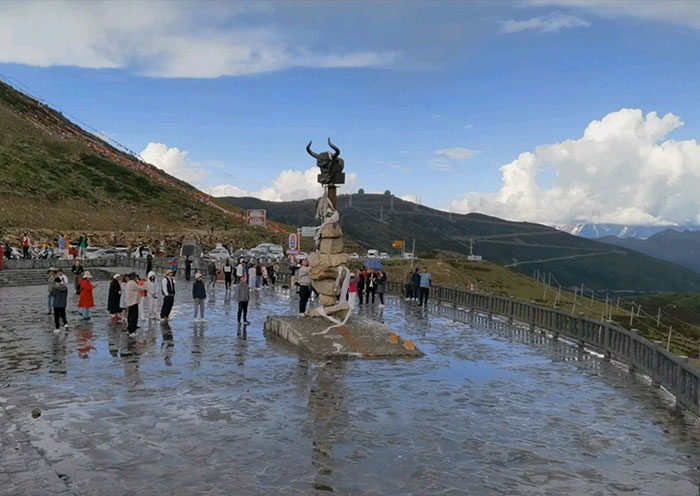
(292, 252)
(398, 244)
(257, 217)
(308, 231)
(293, 241)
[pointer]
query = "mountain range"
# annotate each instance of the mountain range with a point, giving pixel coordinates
(375, 221)
(595, 231)
(682, 248)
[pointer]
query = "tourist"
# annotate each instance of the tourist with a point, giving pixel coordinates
(2, 257)
(240, 271)
(188, 268)
(64, 278)
(408, 285)
(122, 296)
(426, 280)
(381, 283)
(142, 298)
(113, 298)
(212, 271)
(228, 274)
(52, 282)
(258, 275)
(61, 246)
(59, 297)
(274, 270)
(82, 245)
(243, 297)
(133, 295)
(304, 282)
(174, 266)
(86, 301)
(199, 294)
(251, 276)
(77, 271)
(370, 286)
(352, 290)
(26, 244)
(416, 283)
(293, 277)
(152, 296)
(149, 263)
(265, 276)
(360, 285)
(168, 289)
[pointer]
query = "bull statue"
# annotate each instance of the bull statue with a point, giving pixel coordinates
(330, 164)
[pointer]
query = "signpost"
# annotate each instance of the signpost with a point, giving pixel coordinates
(308, 231)
(293, 242)
(257, 217)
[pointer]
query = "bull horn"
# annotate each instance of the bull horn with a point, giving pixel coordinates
(308, 149)
(335, 148)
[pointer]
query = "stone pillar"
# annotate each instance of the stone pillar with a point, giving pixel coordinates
(324, 267)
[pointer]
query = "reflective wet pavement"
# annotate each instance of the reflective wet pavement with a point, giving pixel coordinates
(200, 409)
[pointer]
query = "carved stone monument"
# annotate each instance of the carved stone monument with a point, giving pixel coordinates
(327, 330)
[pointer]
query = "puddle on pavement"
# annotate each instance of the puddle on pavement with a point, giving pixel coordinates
(203, 408)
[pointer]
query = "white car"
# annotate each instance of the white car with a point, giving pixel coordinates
(101, 253)
(219, 253)
(384, 256)
(372, 253)
(137, 253)
(354, 256)
(409, 256)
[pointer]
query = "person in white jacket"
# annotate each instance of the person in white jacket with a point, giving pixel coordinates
(152, 290)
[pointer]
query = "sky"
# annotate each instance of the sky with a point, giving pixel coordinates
(547, 111)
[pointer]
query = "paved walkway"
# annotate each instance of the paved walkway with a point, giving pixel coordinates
(191, 408)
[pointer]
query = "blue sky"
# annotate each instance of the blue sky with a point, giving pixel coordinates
(427, 99)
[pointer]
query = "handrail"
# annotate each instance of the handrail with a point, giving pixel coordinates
(675, 373)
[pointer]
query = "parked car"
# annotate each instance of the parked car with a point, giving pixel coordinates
(354, 256)
(141, 252)
(372, 253)
(384, 256)
(219, 253)
(101, 253)
(409, 256)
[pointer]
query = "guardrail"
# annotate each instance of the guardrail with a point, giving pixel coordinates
(675, 373)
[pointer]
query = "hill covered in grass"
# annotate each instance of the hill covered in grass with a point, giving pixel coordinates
(375, 221)
(56, 175)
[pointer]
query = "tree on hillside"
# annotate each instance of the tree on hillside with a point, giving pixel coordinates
(360, 191)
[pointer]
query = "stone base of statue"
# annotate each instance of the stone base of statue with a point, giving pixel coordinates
(359, 338)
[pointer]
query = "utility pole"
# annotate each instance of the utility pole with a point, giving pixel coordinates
(668, 343)
(573, 308)
(658, 317)
(381, 212)
(592, 296)
(631, 315)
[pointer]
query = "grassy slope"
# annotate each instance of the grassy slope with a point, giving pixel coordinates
(54, 175)
(497, 240)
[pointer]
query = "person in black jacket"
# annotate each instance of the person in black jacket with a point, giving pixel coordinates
(416, 283)
(370, 286)
(199, 293)
(113, 297)
(59, 295)
(360, 285)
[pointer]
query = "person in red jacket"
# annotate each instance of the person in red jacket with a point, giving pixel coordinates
(86, 300)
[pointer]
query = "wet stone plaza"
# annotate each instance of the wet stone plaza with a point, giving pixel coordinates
(207, 408)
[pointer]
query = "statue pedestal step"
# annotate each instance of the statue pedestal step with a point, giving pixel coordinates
(359, 338)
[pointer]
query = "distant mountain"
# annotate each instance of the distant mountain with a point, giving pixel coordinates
(375, 221)
(682, 248)
(595, 231)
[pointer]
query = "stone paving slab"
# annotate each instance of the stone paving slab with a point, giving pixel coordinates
(360, 337)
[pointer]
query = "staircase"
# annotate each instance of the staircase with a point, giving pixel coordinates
(35, 277)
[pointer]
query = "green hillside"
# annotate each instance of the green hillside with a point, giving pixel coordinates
(371, 221)
(55, 175)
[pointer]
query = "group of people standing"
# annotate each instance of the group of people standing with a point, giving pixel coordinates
(417, 285)
(370, 283)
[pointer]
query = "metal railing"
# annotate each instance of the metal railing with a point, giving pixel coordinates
(675, 373)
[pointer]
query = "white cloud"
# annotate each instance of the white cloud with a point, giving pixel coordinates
(160, 39)
(544, 24)
(684, 13)
(440, 165)
(622, 170)
(395, 166)
(174, 162)
(288, 186)
(457, 153)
